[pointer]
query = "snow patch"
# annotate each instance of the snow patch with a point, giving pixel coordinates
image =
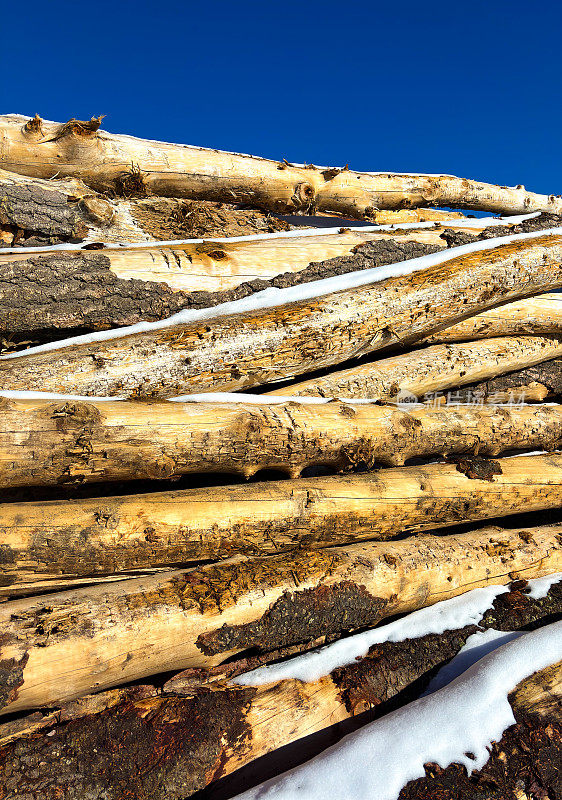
(464, 717)
(466, 609)
(273, 297)
(540, 587)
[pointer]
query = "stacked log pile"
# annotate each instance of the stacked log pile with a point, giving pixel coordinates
(174, 549)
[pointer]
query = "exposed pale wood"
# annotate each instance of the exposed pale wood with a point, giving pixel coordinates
(533, 315)
(46, 540)
(530, 385)
(60, 646)
(45, 442)
(254, 347)
(124, 728)
(425, 371)
(43, 149)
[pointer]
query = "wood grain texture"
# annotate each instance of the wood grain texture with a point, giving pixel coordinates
(104, 161)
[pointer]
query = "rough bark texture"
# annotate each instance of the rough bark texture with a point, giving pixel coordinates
(131, 166)
(249, 348)
(44, 442)
(43, 541)
(132, 743)
(431, 369)
(98, 291)
(60, 646)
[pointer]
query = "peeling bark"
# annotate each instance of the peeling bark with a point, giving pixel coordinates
(91, 639)
(134, 166)
(430, 369)
(64, 442)
(254, 347)
(141, 744)
(43, 541)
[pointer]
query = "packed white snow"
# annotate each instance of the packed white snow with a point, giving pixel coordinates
(477, 646)
(273, 297)
(540, 587)
(463, 718)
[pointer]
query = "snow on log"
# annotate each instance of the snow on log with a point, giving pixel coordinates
(45, 541)
(57, 647)
(430, 369)
(106, 161)
(204, 729)
(72, 441)
(284, 332)
(497, 725)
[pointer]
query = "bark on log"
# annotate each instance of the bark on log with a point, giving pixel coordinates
(125, 286)
(107, 742)
(254, 347)
(46, 443)
(43, 541)
(57, 647)
(535, 384)
(430, 369)
(36, 212)
(541, 315)
(110, 162)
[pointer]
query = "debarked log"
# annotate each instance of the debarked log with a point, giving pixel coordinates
(45, 442)
(541, 315)
(254, 347)
(43, 541)
(430, 369)
(107, 162)
(134, 743)
(532, 385)
(57, 647)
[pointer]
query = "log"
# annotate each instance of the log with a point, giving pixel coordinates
(252, 347)
(541, 315)
(44, 541)
(121, 286)
(57, 647)
(106, 161)
(534, 384)
(422, 372)
(50, 443)
(200, 732)
(35, 212)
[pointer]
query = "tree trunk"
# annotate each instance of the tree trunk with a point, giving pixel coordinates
(110, 162)
(541, 315)
(60, 646)
(200, 733)
(430, 369)
(242, 349)
(45, 541)
(70, 441)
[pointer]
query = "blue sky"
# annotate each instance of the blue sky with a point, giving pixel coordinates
(465, 88)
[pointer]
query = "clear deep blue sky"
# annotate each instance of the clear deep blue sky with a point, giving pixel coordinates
(465, 88)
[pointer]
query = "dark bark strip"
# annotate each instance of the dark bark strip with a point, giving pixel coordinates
(136, 743)
(39, 215)
(80, 290)
(541, 382)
